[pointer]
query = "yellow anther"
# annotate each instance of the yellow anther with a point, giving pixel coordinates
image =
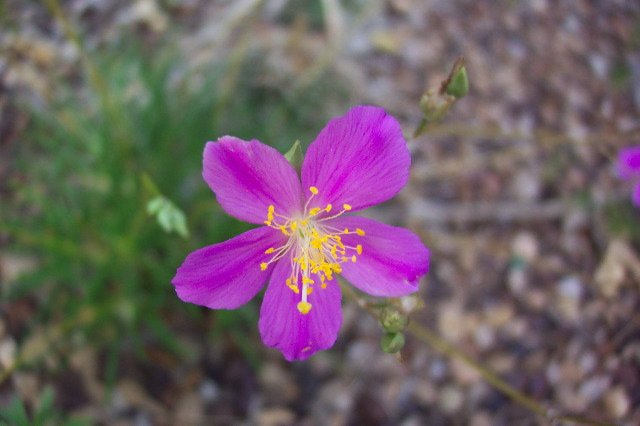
(304, 307)
(293, 226)
(283, 229)
(353, 258)
(267, 222)
(294, 288)
(359, 249)
(360, 232)
(307, 280)
(269, 250)
(313, 190)
(309, 290)
(314, 211)
(323, 285)
(346, 231)
(328, 208)
(263, 266)
(347, 207)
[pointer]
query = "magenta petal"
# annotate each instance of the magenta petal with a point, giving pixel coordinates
(227, 275)
(249, 176)
(628, 164)
(296, 335)
(635, 196)
(392, 260)
(359, 159)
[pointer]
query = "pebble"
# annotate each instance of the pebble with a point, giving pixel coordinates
(451, 399)
(481, 419)
(277, 416)
(484, 336)
(189, 410)
(278, 384)
(463, 373)
(7, 352)
(425, 393)
(617, 402)
(592, 389)
(517, 280)
(209, 391)
(438, 369)
(571, 288)
(27, 385)
(525, 246)
(526, 186)
(588, 362)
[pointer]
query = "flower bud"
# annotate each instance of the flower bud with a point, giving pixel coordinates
(392, 320)
(392, 342)
(434, 106)
(458, 85)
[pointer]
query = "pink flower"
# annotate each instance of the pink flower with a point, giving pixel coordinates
(307, 236)
(628, 167)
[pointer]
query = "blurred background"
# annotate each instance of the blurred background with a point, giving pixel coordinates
(105, 106)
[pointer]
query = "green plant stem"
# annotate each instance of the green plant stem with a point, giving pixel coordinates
(436, 342)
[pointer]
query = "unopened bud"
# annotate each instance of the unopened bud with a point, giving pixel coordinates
(392, 342)
(434, 106)
(392, 320)
(458, 85)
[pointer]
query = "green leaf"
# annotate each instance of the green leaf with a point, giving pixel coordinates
(44, 409)
(14, 414)
(169, 216)
(295, 155)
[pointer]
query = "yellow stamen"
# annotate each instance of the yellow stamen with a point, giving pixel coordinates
(304, 307)
(315, 248)
(313, 190)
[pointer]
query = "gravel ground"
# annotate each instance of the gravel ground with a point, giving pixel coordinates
(525, 276)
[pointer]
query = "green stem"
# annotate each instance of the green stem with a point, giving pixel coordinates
(438, 343)
(427, 336)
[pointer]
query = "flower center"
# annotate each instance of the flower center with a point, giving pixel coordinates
(315, 248)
